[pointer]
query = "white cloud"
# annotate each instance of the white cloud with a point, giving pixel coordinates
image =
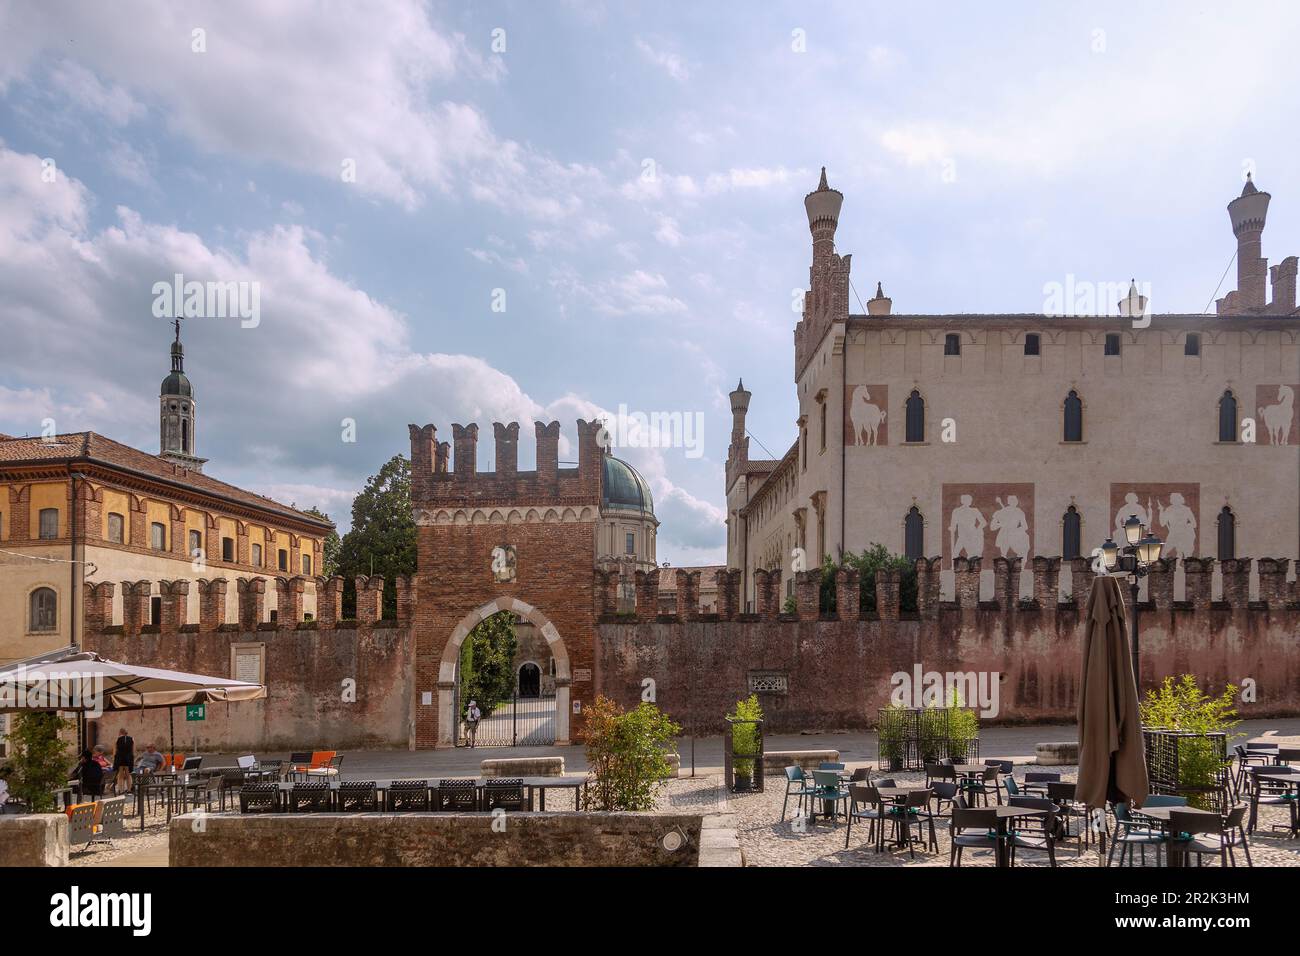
(667, 231)
(669, 62)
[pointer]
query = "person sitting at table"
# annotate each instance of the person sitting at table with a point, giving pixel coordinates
(151, 760)
(89, 775)
(100, 755)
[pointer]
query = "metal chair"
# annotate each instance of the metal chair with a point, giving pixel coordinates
(1013, 790)
(796, 783)
(1004, 766)
(1063, 795)
(504, 794)
(232, 781)
(358, 796)
(299, 761)
(1269, 793)
(943, 792)
(1036, 833)
(1036, 781)
(1183, 829)
(457, 796)
(259, 798)
(866, 804)
(939, 771)
(407, 796)
(914, 812)
(972, 828)
(1164, 800)
(81, 824)
(112, 818)
(980, 789)
(270, 768)
(312, 796)
(827, 789)
(1130, 833)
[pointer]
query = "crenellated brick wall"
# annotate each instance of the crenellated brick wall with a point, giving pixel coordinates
(331, 683)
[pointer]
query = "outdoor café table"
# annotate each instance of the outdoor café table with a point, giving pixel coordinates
(1005, 814)
(1162, 814)
(539, 785)
(171, 782)
(1292, 782)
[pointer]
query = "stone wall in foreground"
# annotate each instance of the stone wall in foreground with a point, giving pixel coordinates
(438, 839)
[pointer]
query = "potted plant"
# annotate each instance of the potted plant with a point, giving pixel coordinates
(890, 736)
(746, 725)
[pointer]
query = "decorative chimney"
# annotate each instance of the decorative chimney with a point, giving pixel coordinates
(739, 450)
(879, 304)
(1248, 213)
(1133, 305)
(823, 208)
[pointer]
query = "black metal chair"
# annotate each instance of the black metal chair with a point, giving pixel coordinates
(1036, 832)
(312, 796)
(231, 782)
(1036, 782)
(270, 769)
(1004, 766)
(504, 794)
(979, 790)
(457, 796)
(298, 763)
(939, 771)
(914, 812)
(1184, 828)
(943, 792)
(866, 804)
(1269, 793)
(407, 796)
(259, 798)
(973, 828)
(358, 796)
(1063, 795)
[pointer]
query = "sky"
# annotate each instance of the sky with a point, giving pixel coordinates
(557, 210)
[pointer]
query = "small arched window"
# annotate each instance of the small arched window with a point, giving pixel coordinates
(1228, 417)
(185, 435)
(43, 613)
(915, 417)
(914, 534)
(952, 344)
(1227, 534)
(1073, 417)
(1070, 533)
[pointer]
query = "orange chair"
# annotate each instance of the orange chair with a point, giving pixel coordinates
(173, 761)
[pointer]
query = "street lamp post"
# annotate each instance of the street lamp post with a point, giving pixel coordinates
(1140, 551)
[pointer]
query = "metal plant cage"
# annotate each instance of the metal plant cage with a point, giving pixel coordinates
(742, 748)
(1191, 765)
(908, 738)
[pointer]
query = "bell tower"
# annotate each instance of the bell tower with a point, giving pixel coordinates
(176, 412)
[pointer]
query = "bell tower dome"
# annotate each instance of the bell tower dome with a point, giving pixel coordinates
(176, 412)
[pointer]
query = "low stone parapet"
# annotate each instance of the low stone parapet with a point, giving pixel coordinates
(775, 761)
(523, 767)
(37, 839)
(1056, 754)
(445, 839)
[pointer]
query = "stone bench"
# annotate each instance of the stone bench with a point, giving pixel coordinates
(1056, 754)
(775, 761)
(37, 839)
(523, 767)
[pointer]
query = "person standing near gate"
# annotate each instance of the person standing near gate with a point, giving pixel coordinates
(472, 716)
(123, 761)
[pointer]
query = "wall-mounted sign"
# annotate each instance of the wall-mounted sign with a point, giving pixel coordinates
(577, 706)
(582, 674)
(196, 711)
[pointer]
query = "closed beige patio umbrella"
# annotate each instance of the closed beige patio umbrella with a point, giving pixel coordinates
(1112, 764)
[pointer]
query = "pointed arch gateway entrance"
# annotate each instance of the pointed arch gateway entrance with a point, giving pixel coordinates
(546, 717)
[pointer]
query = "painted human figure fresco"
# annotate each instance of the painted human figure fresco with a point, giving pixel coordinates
(967, 529)
(1180, 527)
(1131, 506)
(1012, 526)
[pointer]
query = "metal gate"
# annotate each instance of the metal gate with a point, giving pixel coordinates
(516, 722)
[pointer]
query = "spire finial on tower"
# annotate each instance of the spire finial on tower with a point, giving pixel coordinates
(822, 184)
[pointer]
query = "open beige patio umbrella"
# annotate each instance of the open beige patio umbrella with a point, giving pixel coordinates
(84, 682)
(1112, 764)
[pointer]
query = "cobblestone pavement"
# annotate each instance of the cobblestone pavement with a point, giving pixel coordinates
(767, 842)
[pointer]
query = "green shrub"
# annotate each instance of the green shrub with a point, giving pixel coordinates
(745, 736)
(1182, 706)
(627, 753)
(40, 759)
(875, 558)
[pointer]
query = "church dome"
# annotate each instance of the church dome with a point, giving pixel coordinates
(624, 488)
(177, 383)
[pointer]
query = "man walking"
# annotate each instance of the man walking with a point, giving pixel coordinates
(123, 761)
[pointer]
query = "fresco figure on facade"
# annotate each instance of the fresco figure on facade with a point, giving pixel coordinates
(1277, 418)
(1130, 507)
(967, 529)
(866, 417)
(1012, 527)
(1180, 527)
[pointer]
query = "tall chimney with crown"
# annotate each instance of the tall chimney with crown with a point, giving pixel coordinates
(823, 208)
(739, 450)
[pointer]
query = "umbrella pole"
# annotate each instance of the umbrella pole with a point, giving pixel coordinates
(171, 732)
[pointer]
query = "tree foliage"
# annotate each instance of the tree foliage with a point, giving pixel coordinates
(627, 754)
(487, 673)
(872, 559)
(382, 538)
(40, 757)
(329, 547)
(1182, 706)
(745, 735)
